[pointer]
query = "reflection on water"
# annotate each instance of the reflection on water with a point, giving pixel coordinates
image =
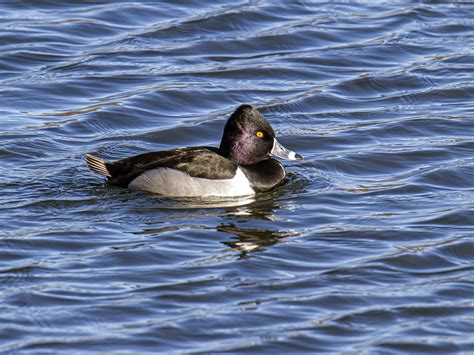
(234, 218)
(250, 240)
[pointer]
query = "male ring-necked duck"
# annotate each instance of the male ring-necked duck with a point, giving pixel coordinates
(241, 166)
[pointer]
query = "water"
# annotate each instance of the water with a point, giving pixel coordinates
(368, 247)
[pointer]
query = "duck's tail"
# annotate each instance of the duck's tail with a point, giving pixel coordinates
(97, 165)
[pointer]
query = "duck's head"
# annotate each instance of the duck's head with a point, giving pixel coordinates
(248, 138)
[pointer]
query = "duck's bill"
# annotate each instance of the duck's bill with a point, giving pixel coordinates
(281, 152)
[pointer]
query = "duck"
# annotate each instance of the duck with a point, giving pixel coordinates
(242, 165)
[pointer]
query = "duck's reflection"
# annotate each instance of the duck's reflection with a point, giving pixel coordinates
(252, 226)
(250, 240)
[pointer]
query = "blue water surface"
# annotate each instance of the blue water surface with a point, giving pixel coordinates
(368, 247)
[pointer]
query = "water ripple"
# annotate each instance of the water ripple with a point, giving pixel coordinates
(367, 247)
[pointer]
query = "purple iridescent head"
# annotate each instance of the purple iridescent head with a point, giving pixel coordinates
(249, 138)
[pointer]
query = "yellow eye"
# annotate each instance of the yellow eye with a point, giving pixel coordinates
(259, 134)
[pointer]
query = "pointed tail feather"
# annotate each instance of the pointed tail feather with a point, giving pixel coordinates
(97, 165)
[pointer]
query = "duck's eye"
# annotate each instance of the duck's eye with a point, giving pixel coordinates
(259, 134)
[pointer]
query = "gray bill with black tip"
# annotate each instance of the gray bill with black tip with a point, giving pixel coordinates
(280, 151)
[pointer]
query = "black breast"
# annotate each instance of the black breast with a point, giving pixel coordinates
(264, 175)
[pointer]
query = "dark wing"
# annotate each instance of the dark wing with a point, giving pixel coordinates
(203, 162)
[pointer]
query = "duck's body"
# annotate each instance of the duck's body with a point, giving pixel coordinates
(241, 166)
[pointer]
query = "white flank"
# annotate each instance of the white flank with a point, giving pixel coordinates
(176, 183)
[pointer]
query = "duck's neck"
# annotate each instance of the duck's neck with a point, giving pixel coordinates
(225, 148)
